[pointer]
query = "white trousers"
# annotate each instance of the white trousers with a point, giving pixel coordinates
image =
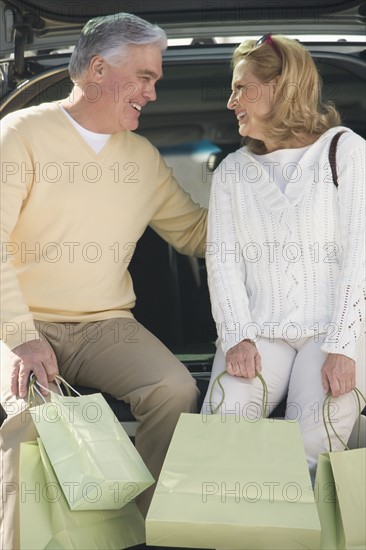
(292, 369)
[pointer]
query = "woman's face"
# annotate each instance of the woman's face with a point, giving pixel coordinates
(251, 99)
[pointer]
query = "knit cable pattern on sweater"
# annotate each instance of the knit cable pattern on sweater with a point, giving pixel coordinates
(290, 264)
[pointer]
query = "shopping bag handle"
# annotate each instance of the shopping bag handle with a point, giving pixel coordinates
(217, 381)
(33, 383)
(61, 382)
(326, 410)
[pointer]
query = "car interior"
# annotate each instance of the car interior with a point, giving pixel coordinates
(192, 128)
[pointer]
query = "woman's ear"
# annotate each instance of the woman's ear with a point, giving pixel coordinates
(273, 87)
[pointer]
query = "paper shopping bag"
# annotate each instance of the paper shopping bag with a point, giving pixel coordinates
(340, 487)
(46, 521)
(357, 438)
(341, 492)
(95, 462)
(230, 482)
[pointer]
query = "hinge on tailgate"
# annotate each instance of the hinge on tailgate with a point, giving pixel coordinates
(22, 37)
(22, 34)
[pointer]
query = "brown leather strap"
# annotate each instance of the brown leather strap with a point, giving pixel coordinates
(332, 156)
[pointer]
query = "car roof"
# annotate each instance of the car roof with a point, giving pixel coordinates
(46, 24)
(170, 11)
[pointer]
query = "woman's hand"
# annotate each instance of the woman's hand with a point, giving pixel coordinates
(243, 360)
(338, 374)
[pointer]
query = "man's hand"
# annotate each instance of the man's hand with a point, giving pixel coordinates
(243, 360)
(35, 356)
(338, 374)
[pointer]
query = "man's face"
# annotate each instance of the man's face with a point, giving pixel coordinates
(127, 88)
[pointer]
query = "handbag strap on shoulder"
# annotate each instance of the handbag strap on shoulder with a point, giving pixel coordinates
(332, 156)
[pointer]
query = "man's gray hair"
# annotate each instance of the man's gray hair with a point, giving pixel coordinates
(110, 37)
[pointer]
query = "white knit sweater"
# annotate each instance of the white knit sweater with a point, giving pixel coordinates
(292, 264)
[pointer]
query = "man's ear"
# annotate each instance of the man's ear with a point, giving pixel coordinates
(96, 67)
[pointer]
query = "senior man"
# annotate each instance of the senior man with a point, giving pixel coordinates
(67, 245)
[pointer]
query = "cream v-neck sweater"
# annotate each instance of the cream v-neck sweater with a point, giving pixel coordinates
(290, 264)
(70, 220)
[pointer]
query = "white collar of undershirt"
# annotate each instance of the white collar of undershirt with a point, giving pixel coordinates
(283, 163)
(93, 139)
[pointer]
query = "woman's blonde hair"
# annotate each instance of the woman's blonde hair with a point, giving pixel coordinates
(298, 110)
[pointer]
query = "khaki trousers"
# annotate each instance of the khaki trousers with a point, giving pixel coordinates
(117, 356)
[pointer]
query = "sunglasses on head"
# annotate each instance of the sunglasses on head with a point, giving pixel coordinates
(267, 38)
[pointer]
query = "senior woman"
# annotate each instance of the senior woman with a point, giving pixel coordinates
(286, 249)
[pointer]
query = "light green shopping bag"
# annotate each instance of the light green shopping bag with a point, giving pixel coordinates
(229, 482)
(340, 485)
(46, 521)
(95, 462)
